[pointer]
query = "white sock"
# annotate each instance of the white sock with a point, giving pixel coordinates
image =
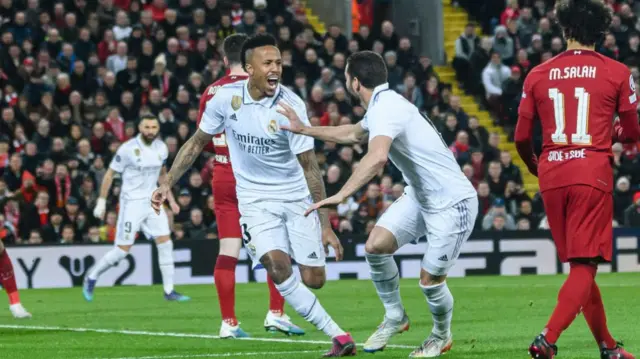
(440, 303)
(386, 279)
(308, 306)
(110, 259)
(167, 268)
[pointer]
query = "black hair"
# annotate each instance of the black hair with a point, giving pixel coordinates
(584, 21)
(148, 116)
(368, 67)
(253, 43)
(232, 47)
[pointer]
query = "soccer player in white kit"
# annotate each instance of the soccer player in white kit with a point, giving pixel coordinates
(140, 161)
(277, 178)
(438, 201)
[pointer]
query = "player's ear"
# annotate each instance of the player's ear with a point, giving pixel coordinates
(225, 60)
(249, 69)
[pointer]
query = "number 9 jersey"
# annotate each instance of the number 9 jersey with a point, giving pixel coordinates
(576, 96)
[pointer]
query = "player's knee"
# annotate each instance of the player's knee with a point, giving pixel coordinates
(428, 279)
(314, 278)
(279, 271)
(380, 241)
(125, 247)
(230, 247)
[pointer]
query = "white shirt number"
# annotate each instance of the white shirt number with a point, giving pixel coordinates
(581, 137)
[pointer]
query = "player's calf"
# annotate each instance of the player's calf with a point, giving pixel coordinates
(8, 281)
(313, 277)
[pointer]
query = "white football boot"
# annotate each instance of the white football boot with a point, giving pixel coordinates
(388, 328)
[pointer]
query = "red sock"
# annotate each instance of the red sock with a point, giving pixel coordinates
(7, 278)
(276, 301)
(572, 297)
(225, 280)
(594, 313)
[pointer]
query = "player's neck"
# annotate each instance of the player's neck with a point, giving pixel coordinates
(574, 45)
(366, 98)
(255, 93)
(236, 70)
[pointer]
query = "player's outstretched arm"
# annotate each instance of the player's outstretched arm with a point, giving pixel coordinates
(184, 160)
(370, 164)
(101, 204)
(345, 134)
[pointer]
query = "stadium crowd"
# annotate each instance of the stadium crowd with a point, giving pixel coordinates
(76, 75)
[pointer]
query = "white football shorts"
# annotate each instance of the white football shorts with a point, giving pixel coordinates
(274, 225)
(446, 230)
(137, 215)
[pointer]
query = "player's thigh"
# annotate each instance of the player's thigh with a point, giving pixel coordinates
(130, 217)
(555, 207)
(447, 231)
(401, 223)
(226, 210)
(229, 231)
(262, 231)
(155, 225)
(589, 224)
(304, 233)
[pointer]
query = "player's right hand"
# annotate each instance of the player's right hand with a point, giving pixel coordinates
(101, 206)
(295, 125)
(329, 239)
(159, 196)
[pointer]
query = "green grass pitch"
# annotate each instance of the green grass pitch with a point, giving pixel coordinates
(495, 317)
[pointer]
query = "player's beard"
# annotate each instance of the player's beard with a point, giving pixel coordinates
(149, 140)
(352, 97)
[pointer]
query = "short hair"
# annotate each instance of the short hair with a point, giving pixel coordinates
(232, 47)
(584, 21)
(253, 43)
(148, 116)
(368, 67)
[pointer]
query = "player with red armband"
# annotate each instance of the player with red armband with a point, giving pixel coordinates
(575, 96)
(228, 216)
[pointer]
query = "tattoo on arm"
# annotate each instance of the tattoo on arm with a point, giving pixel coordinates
(187, 156)
(313, 175)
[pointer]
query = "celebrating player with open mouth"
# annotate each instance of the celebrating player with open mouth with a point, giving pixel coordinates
(140, 161)
(439, 200)
(277, 178)
(575, 97)
(228, 216)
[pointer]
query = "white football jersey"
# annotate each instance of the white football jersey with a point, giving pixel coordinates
(263, 156)
(426, 162)
(140, 166)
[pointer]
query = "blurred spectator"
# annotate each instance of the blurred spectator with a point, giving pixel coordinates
(465, 46)
(497, 217)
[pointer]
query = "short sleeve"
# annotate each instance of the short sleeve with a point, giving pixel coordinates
(527, 106)
(627, 97)
(364, 124)
(212, 120)
(300, 143)
(119, 161)
(164, 152)
(380, 124)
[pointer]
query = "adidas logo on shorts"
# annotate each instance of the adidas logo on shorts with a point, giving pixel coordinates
(444, 258)
(313, 256)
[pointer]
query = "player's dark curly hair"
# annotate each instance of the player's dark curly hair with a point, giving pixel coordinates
(253, 43)
(232, 47)
(368, 67)
(584, 21)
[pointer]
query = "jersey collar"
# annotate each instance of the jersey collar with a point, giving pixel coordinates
(266, 102)
(377, 90)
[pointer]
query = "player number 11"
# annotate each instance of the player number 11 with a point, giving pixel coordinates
(581, 137)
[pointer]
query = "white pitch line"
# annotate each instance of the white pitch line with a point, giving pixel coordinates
(174, 335)
(221, 355)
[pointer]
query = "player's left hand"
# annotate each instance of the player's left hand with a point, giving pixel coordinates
(333, 200)
(330, 239)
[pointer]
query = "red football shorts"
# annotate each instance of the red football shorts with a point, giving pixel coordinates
(227, 214)
(580, 218)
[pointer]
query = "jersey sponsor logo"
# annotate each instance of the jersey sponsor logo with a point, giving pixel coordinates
(273, 127)
(254, 144)
(236, 102)
(221, 159)
(559, 156)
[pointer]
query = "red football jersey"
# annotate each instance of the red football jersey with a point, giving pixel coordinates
(575, 96)
(222, 164)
